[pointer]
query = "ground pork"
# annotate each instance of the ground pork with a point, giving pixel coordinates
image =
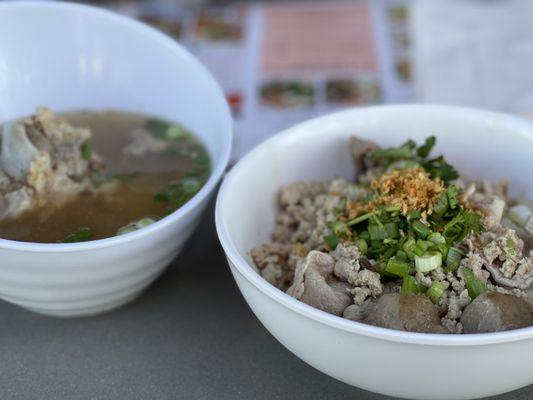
(344, 282)
(306, 209)
(348, 268)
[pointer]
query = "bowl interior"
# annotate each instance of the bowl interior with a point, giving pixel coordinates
(69, 56)
(480, 144)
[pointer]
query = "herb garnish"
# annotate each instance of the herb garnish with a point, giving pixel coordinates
(177, 193)
(417, 156)
(81, 235)
(411, 220)
(165, 130)
(86, 151)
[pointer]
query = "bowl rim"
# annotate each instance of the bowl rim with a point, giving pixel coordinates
(244, 268)
(172, 46)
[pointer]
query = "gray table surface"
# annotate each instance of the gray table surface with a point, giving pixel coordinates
(190, 336)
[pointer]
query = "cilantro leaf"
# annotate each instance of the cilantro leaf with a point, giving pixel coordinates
(439, 168)
(424, 150)
(463, 224)
(388, 155)
(436, 167)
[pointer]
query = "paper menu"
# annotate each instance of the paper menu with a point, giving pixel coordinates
(476, 54)
(282, 63)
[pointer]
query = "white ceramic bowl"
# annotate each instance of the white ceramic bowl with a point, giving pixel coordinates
(402, 364)
(69, 57)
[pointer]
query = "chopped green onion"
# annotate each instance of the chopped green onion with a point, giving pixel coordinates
(410, 285)
(375, 220)
(332, 241)
(365, 235)
(402, 241)
(377, 244)
(86, 151)
(443, 249)
(436, 238)
(164, 130)
(462, 225)
(398, 268)
(377, 232)
(441, 206)
(381, 269)
(475, 286)
(419, 250)
(81, 235)
(453, 259)
(428, 262)
(339, 228)
(202, 160)
(510, 246)
(392, 209)
(401, 256)
(451, 193)
(176, 193)
(175, 132)
(409, 245)
(391, 251)
(421, 229)
(361, 245)
(391, 228)
(135, 225)
(435, 292)
(421, 247)
(360, 219)
(414, 214)
(190, 185)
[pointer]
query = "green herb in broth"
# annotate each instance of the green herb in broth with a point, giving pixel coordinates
(179, 192)
(81, 235)
(86, 151)
(135, 225)
(203, 164)
(165, 130)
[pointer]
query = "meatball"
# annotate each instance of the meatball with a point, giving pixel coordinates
(405, 312)
(495, 312)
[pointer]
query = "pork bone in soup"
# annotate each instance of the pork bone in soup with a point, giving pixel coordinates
(94, 174)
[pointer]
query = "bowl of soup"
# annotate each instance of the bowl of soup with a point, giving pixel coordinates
(113, 140)
(308, 273)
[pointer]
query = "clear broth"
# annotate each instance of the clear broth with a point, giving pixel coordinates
(139, 180)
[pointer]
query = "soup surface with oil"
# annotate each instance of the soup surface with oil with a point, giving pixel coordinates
(148, 168)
